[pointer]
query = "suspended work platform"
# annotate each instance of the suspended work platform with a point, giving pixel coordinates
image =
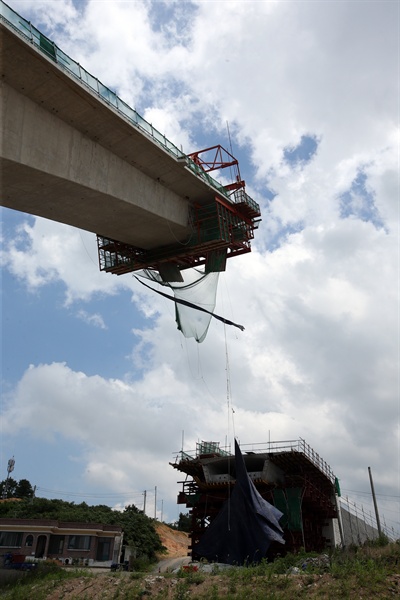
(219, 229)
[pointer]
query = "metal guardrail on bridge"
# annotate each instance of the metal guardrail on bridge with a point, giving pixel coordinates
(299, 446)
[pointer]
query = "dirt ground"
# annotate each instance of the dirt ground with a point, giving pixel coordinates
(308, 587)
(176, 542)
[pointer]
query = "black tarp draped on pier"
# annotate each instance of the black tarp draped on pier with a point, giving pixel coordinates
(245, 527)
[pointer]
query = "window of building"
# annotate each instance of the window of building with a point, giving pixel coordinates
(11, 539)
(29, 540)
(56, 544)
(79, 542)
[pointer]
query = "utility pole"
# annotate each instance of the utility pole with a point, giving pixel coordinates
(155, 502)
(144, 502)
(162, 509)
(375, 504)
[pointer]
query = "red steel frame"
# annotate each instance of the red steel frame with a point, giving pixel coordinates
(214, 158)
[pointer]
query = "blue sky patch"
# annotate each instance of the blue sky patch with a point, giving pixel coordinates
(80, 4)
(39, 329)
(303, 152)
(174, 19)
(282, 234)
(359, 202)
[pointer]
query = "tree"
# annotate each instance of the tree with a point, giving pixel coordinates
(20, 489)
(184, 522)
(139, 530)
(24, 489)
(11, 487)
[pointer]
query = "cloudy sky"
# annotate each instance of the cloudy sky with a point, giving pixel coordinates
(98, 385)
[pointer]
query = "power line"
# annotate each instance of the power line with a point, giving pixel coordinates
(90, 495)
(369, 493)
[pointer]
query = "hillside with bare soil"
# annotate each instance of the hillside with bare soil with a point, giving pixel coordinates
(176, 542)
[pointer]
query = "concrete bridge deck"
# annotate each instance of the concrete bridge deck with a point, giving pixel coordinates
(70, 155)
(74, 152)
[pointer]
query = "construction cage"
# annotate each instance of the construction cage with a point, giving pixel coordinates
(220, 230)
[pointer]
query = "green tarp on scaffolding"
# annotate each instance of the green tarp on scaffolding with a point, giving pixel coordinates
(288, 501)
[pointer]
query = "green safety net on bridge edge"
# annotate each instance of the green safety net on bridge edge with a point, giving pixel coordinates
(288, 501)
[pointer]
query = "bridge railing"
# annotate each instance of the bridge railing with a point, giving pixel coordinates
(271, 447)
(49, 48)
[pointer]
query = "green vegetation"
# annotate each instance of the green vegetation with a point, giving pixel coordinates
(367, 572)
(37, 584)
(16, 489)
(139, 530)
(183, 523)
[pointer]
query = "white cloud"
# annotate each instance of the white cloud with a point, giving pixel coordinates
(45, 252)
(95, 319)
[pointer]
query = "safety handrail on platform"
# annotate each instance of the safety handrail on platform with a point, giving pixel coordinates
(299, 446)
(49, 48)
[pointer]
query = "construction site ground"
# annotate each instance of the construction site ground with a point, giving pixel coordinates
(375, 574)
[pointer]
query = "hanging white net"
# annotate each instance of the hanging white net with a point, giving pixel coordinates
(199, 289)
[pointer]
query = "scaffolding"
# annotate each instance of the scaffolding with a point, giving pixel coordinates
(288, 474)
(220, 230)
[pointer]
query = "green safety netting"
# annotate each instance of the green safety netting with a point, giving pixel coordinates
(281, 503)
(288, 501)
